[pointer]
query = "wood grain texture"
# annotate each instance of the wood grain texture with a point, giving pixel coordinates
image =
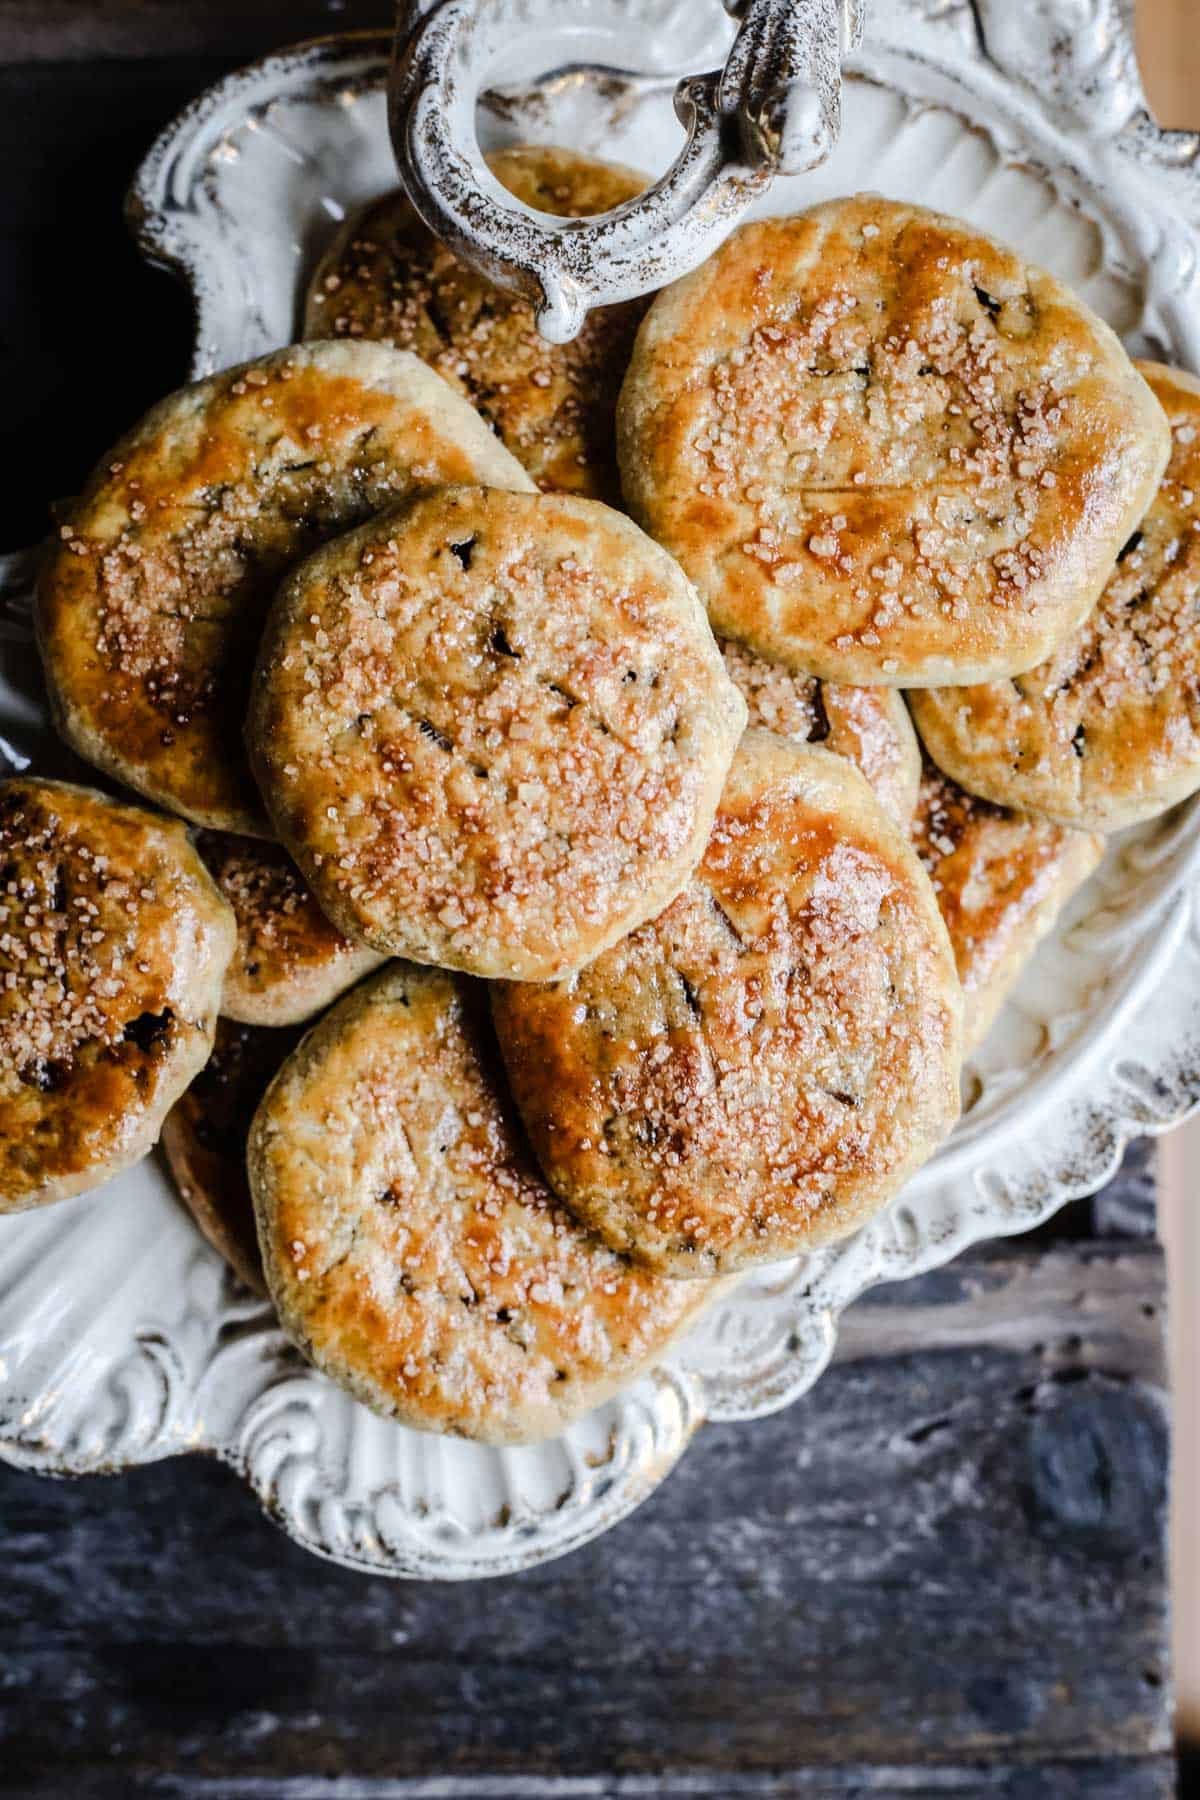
(1127, 1206)
(942, 1573)
(1153, 1778)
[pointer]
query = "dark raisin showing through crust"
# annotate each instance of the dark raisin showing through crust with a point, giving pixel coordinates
(501, 643)
(150, 1032)
(819, 730)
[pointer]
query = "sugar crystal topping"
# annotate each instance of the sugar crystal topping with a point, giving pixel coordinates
(426, 1259)
(76, 965)
(498, 727)
(108, 941)
(772, 1046)
(888, 451)
(1113, 715)
(155, 602)
(859, 723)
(552, 405)
(279, 921)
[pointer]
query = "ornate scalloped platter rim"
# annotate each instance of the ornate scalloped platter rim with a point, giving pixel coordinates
(204, 1369)
(152, 200)
(371, 1552)
(357, 61)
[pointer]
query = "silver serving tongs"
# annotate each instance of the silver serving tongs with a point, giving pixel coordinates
(775, 108)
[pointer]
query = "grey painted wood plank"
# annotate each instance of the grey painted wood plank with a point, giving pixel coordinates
(1151, 1778)
(951, 1554)
(1031, 1301)
(1127, 1206)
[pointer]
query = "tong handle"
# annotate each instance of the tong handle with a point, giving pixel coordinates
(783, 78)
(775, 108)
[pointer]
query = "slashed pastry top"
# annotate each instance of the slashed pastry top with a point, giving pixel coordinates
(151, 602)
(410, 1247)
(759, 1069)
(113, 946)
(1106, 731)
(387, 276)
(492, 729)
(1001, 879)
(869, 726)
(884, 447)
(205, 1135)
(290, 962)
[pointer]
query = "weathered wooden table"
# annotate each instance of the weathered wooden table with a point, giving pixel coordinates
(943, 1573)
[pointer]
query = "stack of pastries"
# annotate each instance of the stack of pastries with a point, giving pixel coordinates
(570, 917)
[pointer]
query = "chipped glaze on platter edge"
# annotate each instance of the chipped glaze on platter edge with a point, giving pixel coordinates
(122, 1340)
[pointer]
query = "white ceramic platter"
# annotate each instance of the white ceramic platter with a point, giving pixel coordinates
(121, 1337)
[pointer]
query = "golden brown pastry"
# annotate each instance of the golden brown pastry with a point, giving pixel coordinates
(290, 962)
(113, 946)
(1001, 879)
(151, 603)
(386, 276)
(204, 1137)
(758, 1070)
(1106, 731)
(869, 726)
(411, 1250)
(492, 729)
(884, 447)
